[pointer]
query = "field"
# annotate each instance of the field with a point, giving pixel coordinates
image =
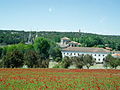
(59, 79)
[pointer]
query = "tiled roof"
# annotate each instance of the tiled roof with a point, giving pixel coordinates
(85, 49)
(108, 48)
(116, 55)
(65, 38)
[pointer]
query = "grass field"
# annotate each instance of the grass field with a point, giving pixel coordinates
(59, 79)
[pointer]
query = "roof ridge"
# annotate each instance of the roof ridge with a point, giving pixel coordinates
(86, 49)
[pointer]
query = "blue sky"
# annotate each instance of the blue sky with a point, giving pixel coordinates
(95, 16)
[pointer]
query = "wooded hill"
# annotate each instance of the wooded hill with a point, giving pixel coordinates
(86, 39)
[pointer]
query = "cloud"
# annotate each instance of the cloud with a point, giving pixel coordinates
(50, 10)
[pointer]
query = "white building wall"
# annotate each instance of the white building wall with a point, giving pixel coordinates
(99, 57)
(65, 42)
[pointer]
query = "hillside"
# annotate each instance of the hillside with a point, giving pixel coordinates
(86, 39)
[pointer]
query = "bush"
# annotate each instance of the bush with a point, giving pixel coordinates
(13, 59)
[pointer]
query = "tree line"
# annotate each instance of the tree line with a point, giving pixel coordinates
(79, 62)
(8, 37)
(33, 55)
(88, 61)
(38, 55)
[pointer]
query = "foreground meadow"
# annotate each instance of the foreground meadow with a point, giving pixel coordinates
(59, 79)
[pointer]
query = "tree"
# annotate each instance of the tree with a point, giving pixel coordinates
(88, 60)
(118, 47)
(91, 40)
(31, 59)
(66, 62)
(13, 59)
(107, 60)
(34, 60)
(45, 63)
(29, 47)
(1, 51)
(55, 52)
(42, 46)
(78, 61)
(112, 61)
(11, 48)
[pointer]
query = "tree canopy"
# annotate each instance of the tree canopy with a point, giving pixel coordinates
(13, 59)
(112, 62)
(42, 46)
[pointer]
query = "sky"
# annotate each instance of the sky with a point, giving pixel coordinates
(92, 16)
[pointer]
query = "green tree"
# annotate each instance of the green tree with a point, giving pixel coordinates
(45, 63)
(55, 52)
(29, 47)
(118, 47)
(42, 46)
(78, 61)
(88, 60)
(13, 59)
(91, 40)
(1, 51)
(4, 51)
(31, 59)
(114, 62)
(111, 61)
(107, 60)
(11, 48)
(66, 62)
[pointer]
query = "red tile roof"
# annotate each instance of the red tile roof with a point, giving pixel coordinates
(116, 55)
(108, 48)
(86, 49)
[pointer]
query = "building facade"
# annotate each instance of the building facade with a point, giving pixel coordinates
(98, 54)
(66, 42)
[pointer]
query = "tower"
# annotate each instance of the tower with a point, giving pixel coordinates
(36, 35)
(30, 41)
(79, 30)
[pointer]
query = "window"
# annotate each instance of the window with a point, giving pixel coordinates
(103, 59)
(74, 53)
(99, 54)
(95, 54)
(99, 59)
(82, 54)
(103, 55)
